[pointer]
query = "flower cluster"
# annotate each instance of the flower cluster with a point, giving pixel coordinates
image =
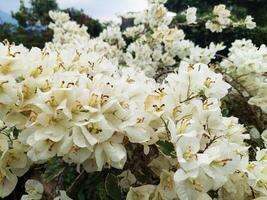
(66, 31)
(156, 44)
(256, 171)
(246, 63)
(75, 105)
(221, 20)
(87, 100)
(13, 161)
(209, 147)
(190, 14)
(79, 106)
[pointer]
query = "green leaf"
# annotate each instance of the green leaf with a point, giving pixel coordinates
(69, 174)
(166, 148)
(101, 191)
(91, 186)
(180, 18)
(54, 168)
(112, 187)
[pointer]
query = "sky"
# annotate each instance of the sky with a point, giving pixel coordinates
(100, 9)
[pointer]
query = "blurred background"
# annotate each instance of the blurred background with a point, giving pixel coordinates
(26, 21)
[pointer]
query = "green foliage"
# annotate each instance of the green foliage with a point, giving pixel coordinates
(166, 148)
(53, 169)
(40, 9)
(97, 185)
(27, 33)
(5, 31)
(240, 8)
(112, 187)
(203, 37)
(37, 12)
(94, 27)
(180, 18)
(33, 21)
(81, 186)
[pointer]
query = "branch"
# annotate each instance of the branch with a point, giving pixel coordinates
(210, 143)
(162, 73)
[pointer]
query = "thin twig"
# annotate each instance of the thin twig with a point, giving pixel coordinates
(250, 109)
(77, 179)
(224, 57)
(166, 127)
(189, 98)
(252, 192)
(3, 128)
(163, 73)
(236, 82)
(210, 143)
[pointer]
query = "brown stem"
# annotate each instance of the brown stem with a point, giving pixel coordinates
(224, 57)
(190, 98)
(48, 193)
(252, 192)
(234, 83)
(3, 128)
(162, 73)
(210, 143)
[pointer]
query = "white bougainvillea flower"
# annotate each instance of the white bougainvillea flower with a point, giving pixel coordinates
(112, 153)
(63, 196)
(236, 188)
(191, 15)
(126, 179)
(249, 22)
(190, 186)
(166, 187)
(8, 182)
(3, 144)
(257, 172)
(8, 90)
(34, 190)
(141, 193)
(85, 100)
(13, 163)
(186, 150)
